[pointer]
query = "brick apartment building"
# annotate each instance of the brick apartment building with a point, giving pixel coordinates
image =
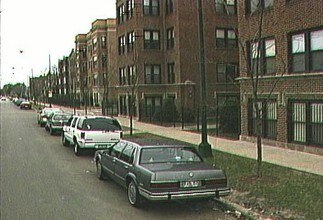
(63, 87)
(93, 63)
(158, 56)
(289, 56)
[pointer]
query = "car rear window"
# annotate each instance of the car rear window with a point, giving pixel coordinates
(165, 154)
(101, 124)
(61, 117)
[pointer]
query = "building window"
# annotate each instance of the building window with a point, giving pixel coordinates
(104, 60)
(132, 77)
(151, 7)
(307, 51)
(268, 117)
(95, 62)
(153, 104)
(225, 6)
(306, 122)
(96, 99)
(169, 6)
(256, 5)
(263, 57)
(226, 38)
(94, 43)
(122, 76)
(130, 5)
(151, 39)
(152, 74)
(226, 72)
(103, 41)
(122, 44)
(130, 41)
(170, 38)
(123, 104)
(171, 73)
(120, 13)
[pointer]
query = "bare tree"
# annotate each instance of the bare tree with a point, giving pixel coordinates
(252, 53)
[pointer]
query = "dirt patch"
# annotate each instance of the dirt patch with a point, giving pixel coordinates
(258, 208)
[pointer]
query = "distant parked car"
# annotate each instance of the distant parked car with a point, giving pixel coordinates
(44, 113)
(56, 121)
(19, 101)
(25, 105)
(160, 173)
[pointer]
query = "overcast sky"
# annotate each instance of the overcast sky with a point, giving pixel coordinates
(31, 30)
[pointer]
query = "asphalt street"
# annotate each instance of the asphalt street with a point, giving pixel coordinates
(42, 180)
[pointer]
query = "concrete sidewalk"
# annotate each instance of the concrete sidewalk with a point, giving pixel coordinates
(284, 157)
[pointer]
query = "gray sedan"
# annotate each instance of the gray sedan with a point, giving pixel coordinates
(160, 173)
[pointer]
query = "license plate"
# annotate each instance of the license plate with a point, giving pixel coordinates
(190, 184)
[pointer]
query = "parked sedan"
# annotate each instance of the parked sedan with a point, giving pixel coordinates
(44, 113)
(160, 173)
(25, 105)
(56, 121)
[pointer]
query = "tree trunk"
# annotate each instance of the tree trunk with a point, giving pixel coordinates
(259, 147)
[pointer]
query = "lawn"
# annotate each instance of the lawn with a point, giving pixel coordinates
(282, 193)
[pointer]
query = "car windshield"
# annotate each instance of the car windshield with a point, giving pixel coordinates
(165, 154)
(101, 124)
(61, 117)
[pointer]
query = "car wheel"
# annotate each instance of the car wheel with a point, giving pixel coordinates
(64, 141)
(133, 194)
(76, 149)
(99, 170)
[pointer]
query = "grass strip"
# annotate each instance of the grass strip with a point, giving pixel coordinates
(280, 191)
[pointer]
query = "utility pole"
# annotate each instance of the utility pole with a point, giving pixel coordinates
(204, 147)
(50, 94)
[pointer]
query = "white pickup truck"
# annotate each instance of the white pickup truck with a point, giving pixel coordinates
(91, 132)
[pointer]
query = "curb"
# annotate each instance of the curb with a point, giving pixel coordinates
(237, 210)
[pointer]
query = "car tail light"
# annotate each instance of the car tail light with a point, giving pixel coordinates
(164, 185)
(82, 135)
(215, 182)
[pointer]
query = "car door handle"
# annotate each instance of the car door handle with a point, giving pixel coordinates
(126, 167)
(113, 161)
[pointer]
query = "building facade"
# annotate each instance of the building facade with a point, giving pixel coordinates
(281, 59)
(158, 57)
(92, 64)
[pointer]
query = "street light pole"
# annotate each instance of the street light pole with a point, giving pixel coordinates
(50, 93)
(204, 147)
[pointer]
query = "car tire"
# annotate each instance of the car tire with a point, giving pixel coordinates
(133, 194)
(64, 141)
(76, 149)
(99, 171)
